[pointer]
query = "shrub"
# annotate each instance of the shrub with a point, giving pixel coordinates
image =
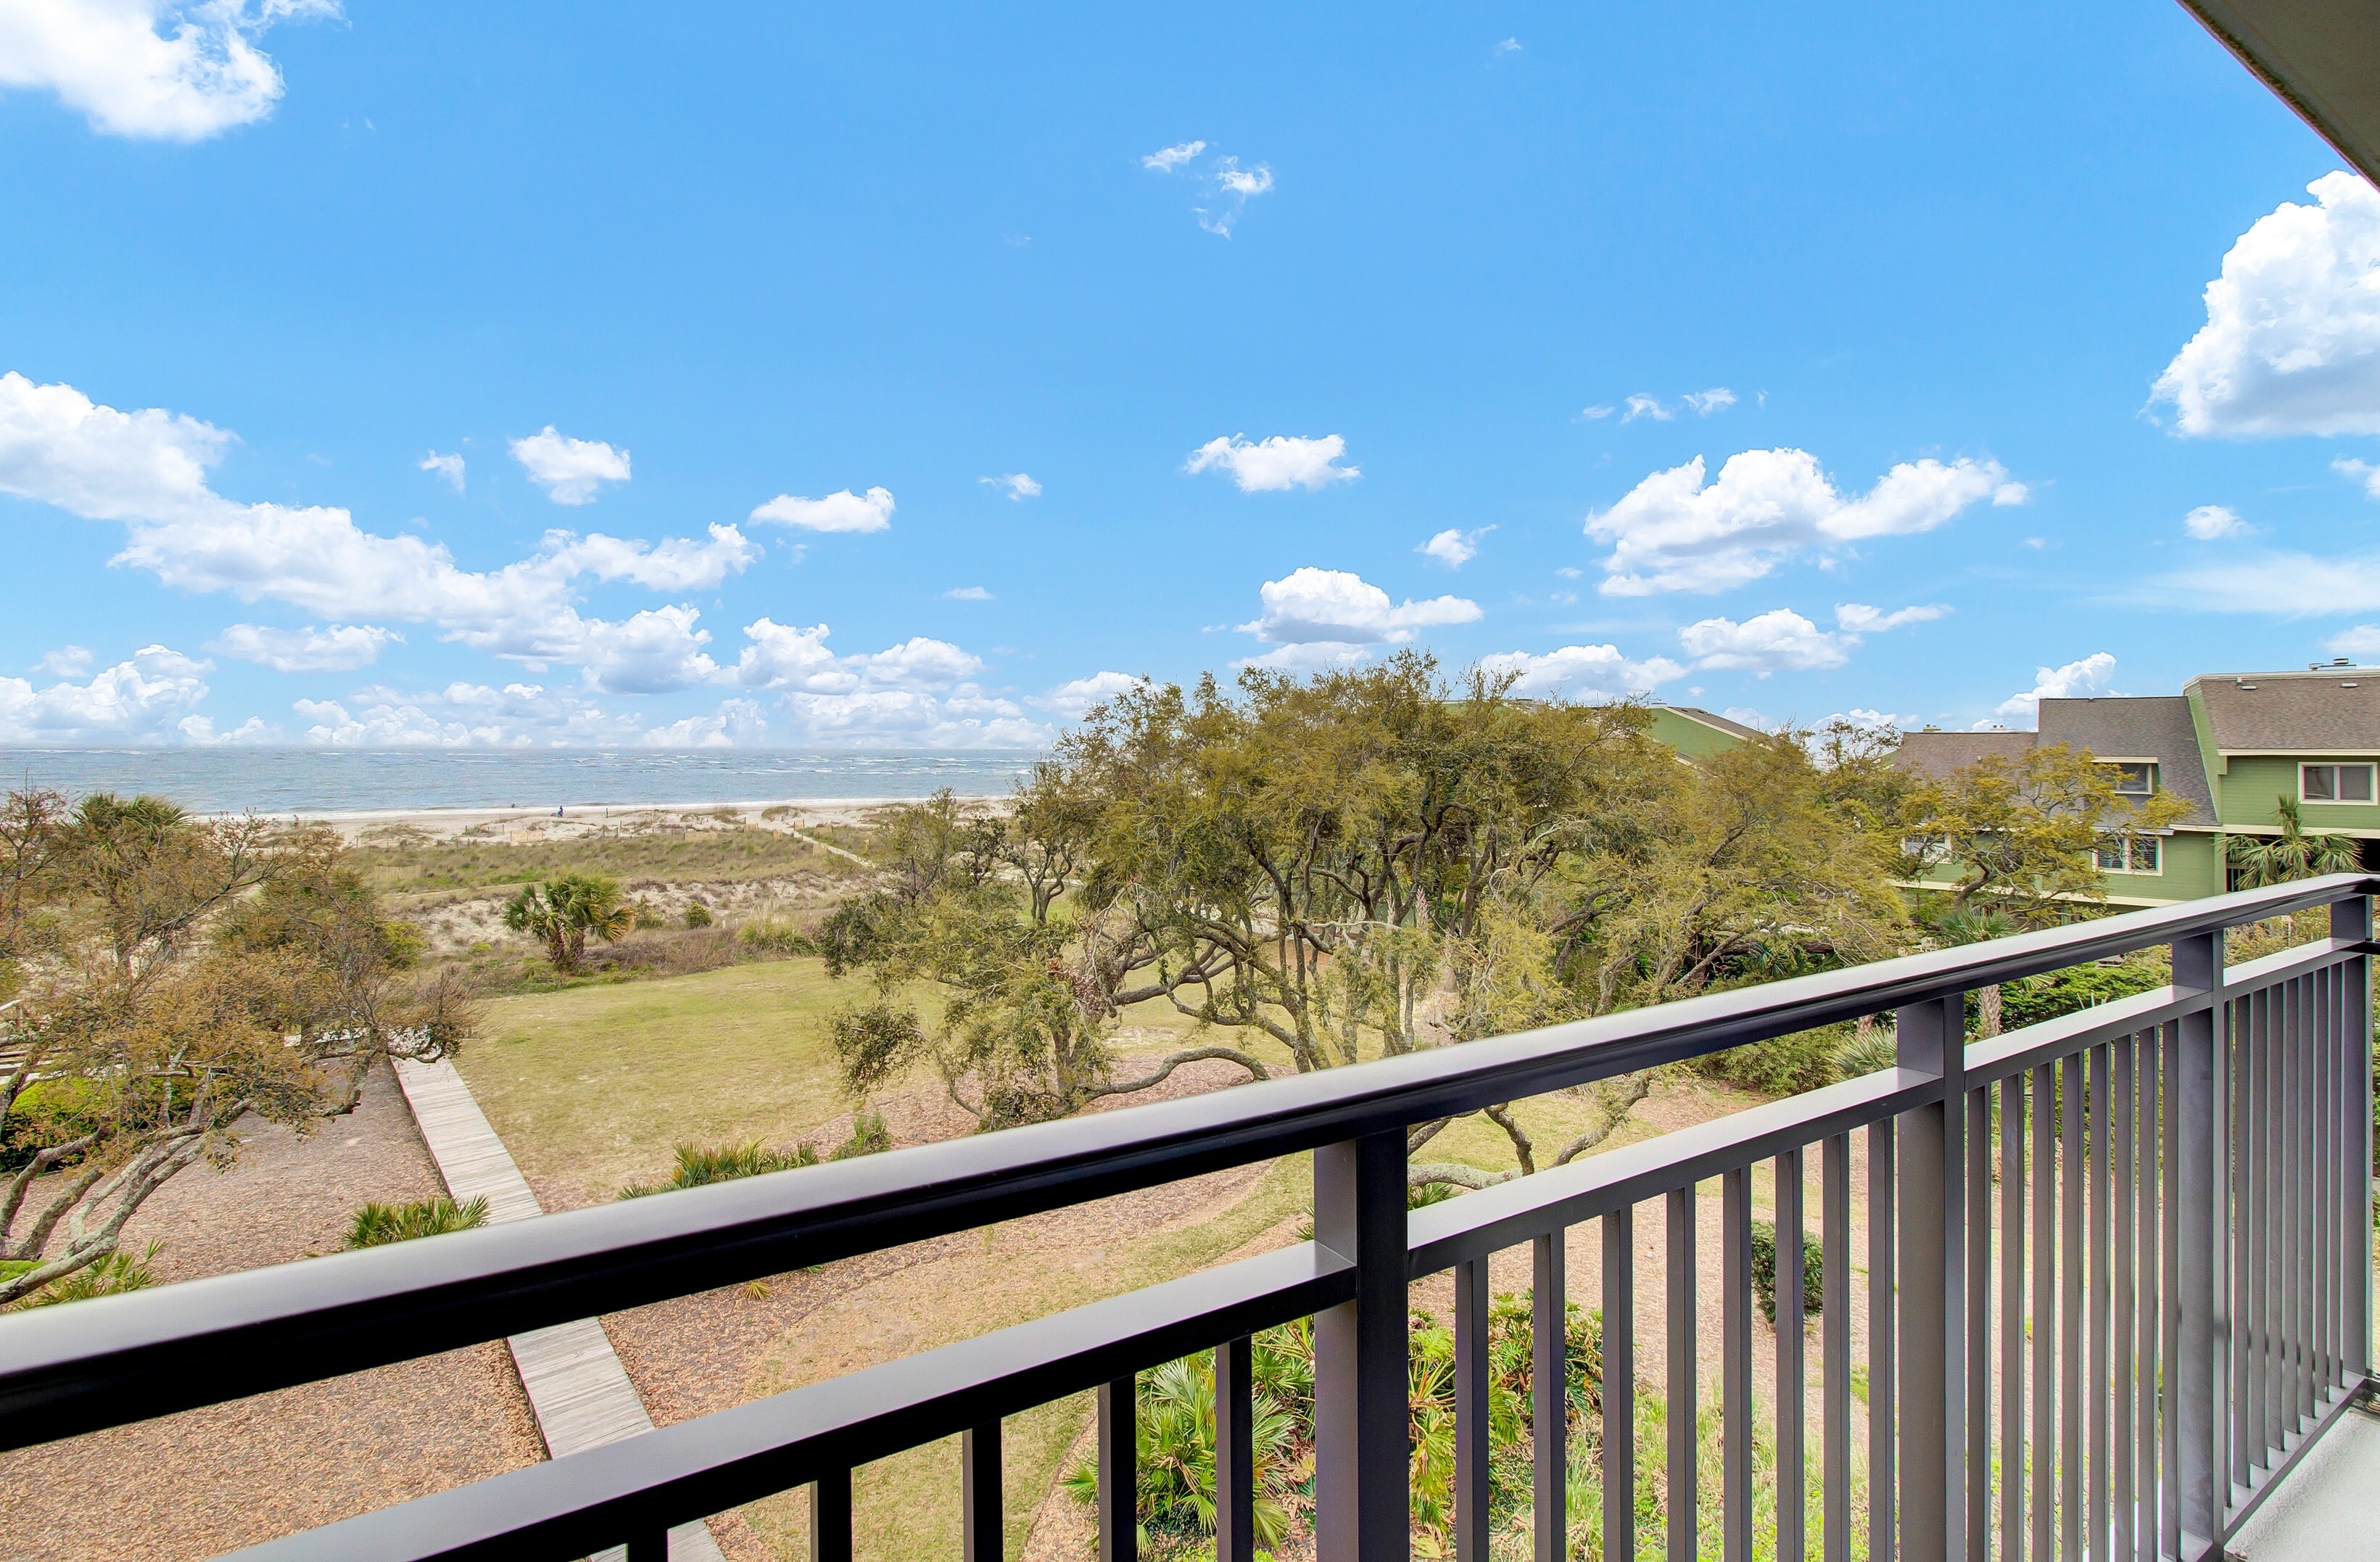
(118, 1272)
(2052, 993)
(1784, 1065)
(868, 1137)
(775, 935)
(697, 915)
(375, 1224)
(1764, 1271)
(698, 1167)
(647, 915)
(1866, 1054)
(1176, 1481)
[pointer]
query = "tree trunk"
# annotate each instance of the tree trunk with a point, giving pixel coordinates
(1988, 1001)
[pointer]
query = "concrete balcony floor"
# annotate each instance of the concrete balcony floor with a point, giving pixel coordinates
(2328, 1509)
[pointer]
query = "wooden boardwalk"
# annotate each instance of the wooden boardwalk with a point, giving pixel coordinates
(576, 1383)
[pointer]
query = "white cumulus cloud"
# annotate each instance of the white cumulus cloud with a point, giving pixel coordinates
(2291, 343)
(142, 699)
(1592, 674)
(569, 470)
(840, 510)
(338, 647)
(1167, 159)
(1454, 547)
(177, 70)
(1281, 462)
(147, 470)
(920, 694)
(737, 723)
(448, 468)
(1018, 484)
(1858, 618)
(1313, 606)
(2209, 522)
(1234, 186)
(1674, 532)
(1780, 640)
(2075, 680)
(2363, 472)
(1071, 699)
(67, 661)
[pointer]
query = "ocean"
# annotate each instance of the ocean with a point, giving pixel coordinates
(325, 780)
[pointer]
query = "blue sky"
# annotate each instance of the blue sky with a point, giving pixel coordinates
(551, 374)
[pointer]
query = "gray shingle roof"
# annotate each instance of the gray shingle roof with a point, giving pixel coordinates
(2326, 713)
(2152, 727)
(1935, 754)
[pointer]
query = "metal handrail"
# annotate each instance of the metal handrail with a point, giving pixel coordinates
(104, 1362)
(69, 1370)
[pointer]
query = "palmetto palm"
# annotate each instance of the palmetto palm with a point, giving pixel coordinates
(2293, 853)
(1969, 925)
(563, 910)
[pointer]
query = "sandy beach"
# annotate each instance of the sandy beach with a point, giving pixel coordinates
(573, 821)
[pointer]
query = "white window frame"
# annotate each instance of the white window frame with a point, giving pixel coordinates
(2130, 845)
(2148, 766)
(2370, 784)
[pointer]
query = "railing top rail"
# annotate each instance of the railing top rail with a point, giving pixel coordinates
(118, 1359)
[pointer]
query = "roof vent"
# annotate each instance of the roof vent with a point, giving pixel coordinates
(2341, 661)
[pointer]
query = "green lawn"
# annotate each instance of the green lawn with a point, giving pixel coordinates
(590, 1088)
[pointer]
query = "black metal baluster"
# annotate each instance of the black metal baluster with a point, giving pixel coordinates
(1620, 1382)
(1361, 1466)
(1549, 1394)
(979, 1539)
(1235, 1462)
(1119, 1454)
(1682, 1514)
(831, 1517)
(1473, 1438)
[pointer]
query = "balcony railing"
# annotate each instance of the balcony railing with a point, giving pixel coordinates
(2197, 1272)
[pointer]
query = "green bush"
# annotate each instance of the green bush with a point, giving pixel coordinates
(697, 915)
(868, 1137)
(1868, 1053)
(1176, 1481)
(2054, 993)
(115, 1273)
(775, 935)
(698, 1167)
(647, 916)
(1764, 1271)
(1785, 1065)
(375, 1224)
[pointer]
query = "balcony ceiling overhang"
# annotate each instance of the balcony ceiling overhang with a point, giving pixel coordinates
(2321, 56)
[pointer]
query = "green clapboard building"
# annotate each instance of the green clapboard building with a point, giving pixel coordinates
(2229, 744)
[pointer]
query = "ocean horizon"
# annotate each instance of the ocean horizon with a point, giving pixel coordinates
(345, 780)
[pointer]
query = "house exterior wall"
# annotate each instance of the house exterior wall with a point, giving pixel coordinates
(2192, 868)
(2244, 793)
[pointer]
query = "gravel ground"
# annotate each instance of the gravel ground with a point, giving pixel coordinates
(208, 1480)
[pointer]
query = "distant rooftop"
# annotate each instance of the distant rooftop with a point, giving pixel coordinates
(2324, 710)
